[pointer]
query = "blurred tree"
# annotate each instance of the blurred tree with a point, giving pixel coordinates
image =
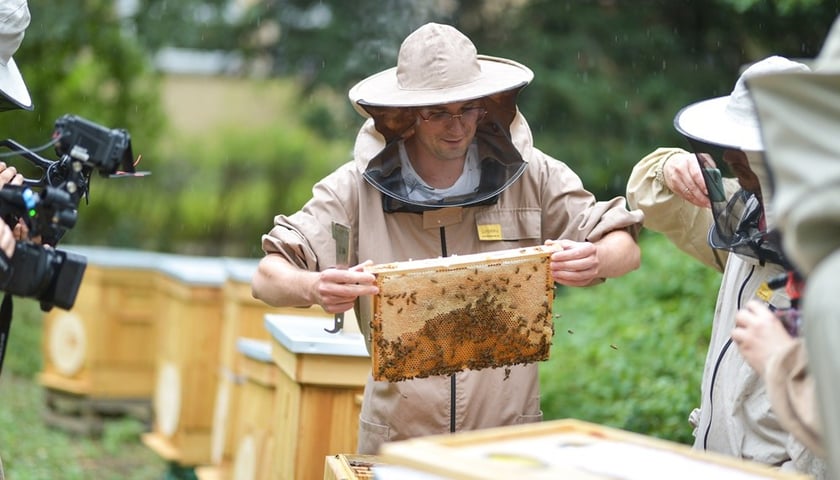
(76, 58)
(197, 24)
(609, 75)
(784, 6)
(333, 42)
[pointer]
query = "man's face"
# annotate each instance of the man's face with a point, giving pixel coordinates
(446, 131)
(737, 161)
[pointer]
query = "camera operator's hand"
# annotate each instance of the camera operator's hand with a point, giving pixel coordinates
(7, 240)
(9, 175)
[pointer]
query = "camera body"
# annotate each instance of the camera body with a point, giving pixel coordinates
(108, 150)
(50, 276)
(47, 215)
(37, 271)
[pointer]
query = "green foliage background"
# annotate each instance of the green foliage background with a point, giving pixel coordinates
(610, 76)
(629, 353)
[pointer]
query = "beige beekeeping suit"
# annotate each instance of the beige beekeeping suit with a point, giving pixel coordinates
(800, 120)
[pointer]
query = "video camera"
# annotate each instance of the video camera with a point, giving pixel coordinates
(48, 207)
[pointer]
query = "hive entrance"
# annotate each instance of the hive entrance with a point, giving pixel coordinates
(441, 316)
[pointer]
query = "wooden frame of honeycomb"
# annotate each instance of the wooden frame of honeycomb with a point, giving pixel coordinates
(441, 316)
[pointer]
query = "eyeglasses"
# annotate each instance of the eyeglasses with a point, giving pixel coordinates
(468, 116)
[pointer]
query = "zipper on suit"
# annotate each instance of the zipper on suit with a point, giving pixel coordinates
(720, 360)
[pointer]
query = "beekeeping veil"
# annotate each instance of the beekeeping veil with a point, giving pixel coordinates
(724, 134)
(437, 65)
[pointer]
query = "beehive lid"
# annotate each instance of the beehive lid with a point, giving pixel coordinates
(254, 348)
(306, 335)
(108, 257)
(444, 315)
(193, 271)
(240, 269)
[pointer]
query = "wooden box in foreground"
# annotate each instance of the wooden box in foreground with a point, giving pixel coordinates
(444, 315)
(349, 467)
(568, 449)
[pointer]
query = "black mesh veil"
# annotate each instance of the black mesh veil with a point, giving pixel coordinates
(739, 219)
(501, 165)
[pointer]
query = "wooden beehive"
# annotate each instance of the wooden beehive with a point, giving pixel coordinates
(188, 337)
(253, 430)
(444, 315)
(318, 393)
(104, 346)
(243, 317)
(98, 357)
(568, 449)
(243, 314)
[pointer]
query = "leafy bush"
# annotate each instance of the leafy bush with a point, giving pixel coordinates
(79, 59)
(629, 353)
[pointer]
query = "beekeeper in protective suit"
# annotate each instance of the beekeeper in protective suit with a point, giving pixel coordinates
(444, 165)
(800, 122)
(709, 203)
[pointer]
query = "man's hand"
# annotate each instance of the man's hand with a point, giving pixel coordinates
(579, 264)
(759, 335)
(574, 264)
(337, 290)
(682, 176)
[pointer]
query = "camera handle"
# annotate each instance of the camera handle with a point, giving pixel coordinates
(68, 173)
(33, 157)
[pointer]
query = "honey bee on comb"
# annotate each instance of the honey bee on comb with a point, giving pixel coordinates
(464, 312)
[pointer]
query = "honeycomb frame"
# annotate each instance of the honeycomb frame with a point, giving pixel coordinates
(468, 312)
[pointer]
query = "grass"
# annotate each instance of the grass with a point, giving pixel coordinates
(628, 353)
(30, 450)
